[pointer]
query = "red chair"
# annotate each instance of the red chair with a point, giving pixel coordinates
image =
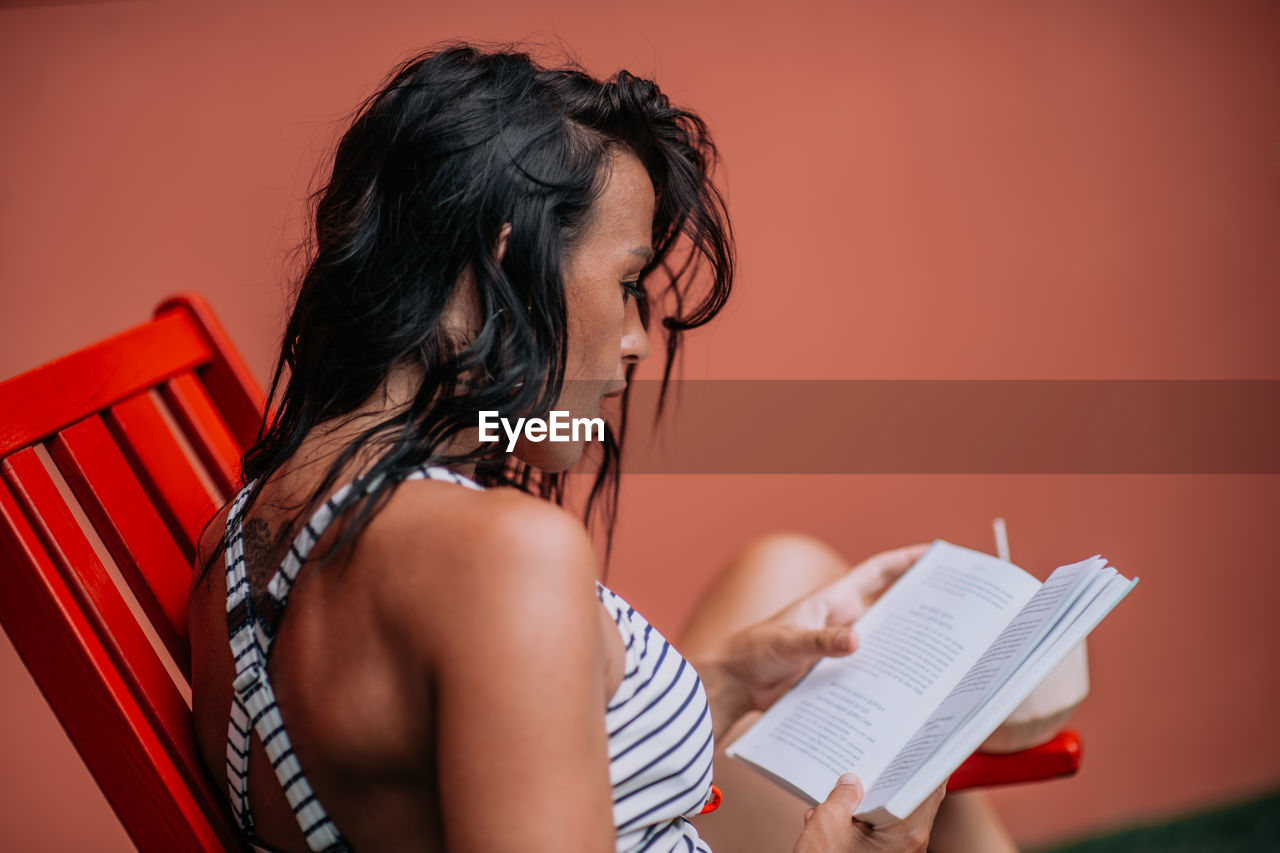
(143, 434)
(134, 442)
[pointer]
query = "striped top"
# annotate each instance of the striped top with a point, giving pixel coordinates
(660, 745)
(658, 721)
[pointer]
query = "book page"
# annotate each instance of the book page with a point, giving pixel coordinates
(854, 714)
(1014, 644)
(1096, 600)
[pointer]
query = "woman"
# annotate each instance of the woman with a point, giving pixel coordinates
(440, 654)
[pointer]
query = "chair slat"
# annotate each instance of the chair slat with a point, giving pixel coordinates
(205, 429)
(69, 627)
(175, 487)
(69, 550)
(130, 527)
(231, 386)
(42, 401)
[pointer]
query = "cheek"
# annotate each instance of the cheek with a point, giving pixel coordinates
(580, 397)
(595, 336)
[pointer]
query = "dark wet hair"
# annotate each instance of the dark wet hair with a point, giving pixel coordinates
(459, 142)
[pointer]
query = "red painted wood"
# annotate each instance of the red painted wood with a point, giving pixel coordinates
(1059, 757)
(130, 527)
(169, 476)
(206, 430)
(41, 401)
(57, 619)
(146, 501)
(235, 393)
(95, 595)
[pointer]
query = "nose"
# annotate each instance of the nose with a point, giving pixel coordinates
(635, 340)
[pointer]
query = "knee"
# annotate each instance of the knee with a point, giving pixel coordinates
(795, 558)
(767, 574)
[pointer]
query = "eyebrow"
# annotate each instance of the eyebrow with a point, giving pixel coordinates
(645, 252)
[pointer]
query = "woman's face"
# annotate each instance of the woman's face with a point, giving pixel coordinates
(605, 333)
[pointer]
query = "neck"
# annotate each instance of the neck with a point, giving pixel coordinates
(395, 394)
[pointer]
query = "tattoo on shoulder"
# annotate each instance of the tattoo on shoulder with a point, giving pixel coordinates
(258, 545)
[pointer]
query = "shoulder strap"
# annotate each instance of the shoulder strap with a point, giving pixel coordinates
(253, 704)
(282, 581)
(253, 708)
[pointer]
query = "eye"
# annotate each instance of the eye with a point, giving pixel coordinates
(633, 288)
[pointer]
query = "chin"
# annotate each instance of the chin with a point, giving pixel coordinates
(551, 457)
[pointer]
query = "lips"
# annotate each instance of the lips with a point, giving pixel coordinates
(616, 392)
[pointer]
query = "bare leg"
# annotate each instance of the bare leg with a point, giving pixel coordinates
(756, 815)
(969, 823)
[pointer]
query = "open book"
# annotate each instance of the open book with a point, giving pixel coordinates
(944, 656)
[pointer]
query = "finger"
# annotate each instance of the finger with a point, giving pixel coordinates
(877, 572)
(824, 642)
(808, 816)
(844, 798)
(848, 597)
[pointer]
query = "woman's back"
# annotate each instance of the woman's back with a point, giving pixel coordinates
(452, 640)
(355, 664)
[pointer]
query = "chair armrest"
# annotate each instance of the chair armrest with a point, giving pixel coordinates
(1059, 757)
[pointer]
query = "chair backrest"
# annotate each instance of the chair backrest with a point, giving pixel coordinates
(111, 461)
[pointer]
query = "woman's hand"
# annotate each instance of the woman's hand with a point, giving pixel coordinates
(758, 664)
(830, 827)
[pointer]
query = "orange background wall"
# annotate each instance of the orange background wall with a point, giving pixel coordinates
(920, 190)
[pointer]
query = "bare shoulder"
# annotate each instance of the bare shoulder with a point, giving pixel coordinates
(454, 553)
(498, 528)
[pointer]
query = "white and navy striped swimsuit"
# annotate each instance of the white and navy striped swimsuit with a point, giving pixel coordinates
(658, 721)
(660, 745)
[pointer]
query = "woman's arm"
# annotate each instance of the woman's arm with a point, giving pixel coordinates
(510, 638)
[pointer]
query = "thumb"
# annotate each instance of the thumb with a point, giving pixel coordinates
(844, 797)
(823, 642)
